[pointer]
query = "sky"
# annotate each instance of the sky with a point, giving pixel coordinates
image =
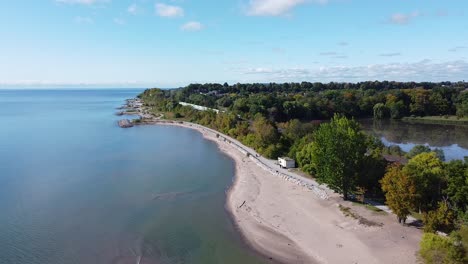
(171, 43)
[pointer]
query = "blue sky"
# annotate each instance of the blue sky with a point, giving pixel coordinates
(170, 43)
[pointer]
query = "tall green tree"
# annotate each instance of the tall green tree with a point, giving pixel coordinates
(399, 191)
(380, 111)
(338, 153)
(427, 171)
(457, 184)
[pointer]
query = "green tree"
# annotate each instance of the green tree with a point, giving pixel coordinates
(457, 184)
(427, 172)
(462, 105)
(380, 111)
(304, 158)
(441, 219)
(337, 154)
(435, 249)
(399, 191)
(418, 149)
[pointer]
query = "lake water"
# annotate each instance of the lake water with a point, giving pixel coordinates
(75, 188)
(452, 139)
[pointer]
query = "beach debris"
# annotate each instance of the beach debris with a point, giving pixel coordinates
(242, 204)
(125, 123)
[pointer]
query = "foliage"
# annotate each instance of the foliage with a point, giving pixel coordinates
(457, 184)
(308, 101)
(436, 249)
(337, 154)
(441, 219)
(393, 150)
(462, 105)
(418, 149)
(380, 111)
(305, 160)
(426, 171)
(399, 190)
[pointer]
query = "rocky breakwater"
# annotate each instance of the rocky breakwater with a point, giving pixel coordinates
(125, 123)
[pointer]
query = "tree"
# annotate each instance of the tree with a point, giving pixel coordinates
(399, 191)
(304, 158)
(337, 154)
(462, 106)
(441, 219)
(418, 149)
(426, 171)
(457, 184)
(380, 111)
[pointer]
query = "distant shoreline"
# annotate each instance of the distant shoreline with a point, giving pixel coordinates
(438, 120)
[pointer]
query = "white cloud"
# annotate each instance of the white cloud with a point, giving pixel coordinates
(343, 43)
(424, 70)
(84, 20)
(192, 26)
(133, 9)
(403, 19)
(275, 7)
(164, 10)
(82, 2)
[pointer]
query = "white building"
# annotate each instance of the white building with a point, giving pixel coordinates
(199, 107)
(286, 162)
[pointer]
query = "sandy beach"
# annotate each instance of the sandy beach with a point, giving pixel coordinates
(290, 223)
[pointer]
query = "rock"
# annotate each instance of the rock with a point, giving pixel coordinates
(125, 123)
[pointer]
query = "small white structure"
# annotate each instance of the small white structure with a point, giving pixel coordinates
(286, 162)
(199, 107)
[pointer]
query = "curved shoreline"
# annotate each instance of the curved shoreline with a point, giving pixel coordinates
(287, 222)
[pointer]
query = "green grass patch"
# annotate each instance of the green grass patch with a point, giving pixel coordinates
(370, 207)
(348, 212)
(438, 120)
(416, 215)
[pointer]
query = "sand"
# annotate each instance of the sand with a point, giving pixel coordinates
(290, 223)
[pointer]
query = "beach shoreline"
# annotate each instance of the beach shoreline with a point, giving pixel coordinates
(294, 220)
(287, 222)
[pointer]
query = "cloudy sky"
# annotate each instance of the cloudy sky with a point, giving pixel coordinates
(170, 43)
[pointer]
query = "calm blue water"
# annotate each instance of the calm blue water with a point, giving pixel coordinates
(75, 188)
(451, 139)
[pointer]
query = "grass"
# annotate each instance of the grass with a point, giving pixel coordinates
(370, 207)
(347, 211)
(416, 215)
(361, 220)
(438, 119)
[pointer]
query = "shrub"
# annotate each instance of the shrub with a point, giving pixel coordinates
(436, 249)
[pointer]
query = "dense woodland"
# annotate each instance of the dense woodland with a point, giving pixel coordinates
(277, 119)
(308, 101)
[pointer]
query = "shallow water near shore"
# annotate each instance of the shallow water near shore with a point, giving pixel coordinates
(76, 188)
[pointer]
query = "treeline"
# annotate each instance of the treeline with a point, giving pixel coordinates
(308, 101)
